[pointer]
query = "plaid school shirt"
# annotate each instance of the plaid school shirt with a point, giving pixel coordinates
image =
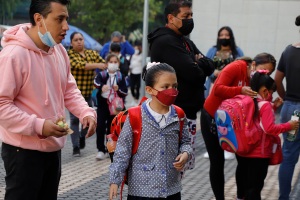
(84, 78)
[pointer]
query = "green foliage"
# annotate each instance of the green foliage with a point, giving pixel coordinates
(100, 18)
(7, 7)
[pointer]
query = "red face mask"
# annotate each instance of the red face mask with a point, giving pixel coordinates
(167, 97)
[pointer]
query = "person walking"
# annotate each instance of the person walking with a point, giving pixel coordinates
(36, 86)
(83, 63)
(234, 80)
(288, 68)
(223, 53)
(170, 45)
(154, 171)
(110, 83)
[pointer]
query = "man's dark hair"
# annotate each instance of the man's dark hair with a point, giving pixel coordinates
(174, 6)
(43, 7)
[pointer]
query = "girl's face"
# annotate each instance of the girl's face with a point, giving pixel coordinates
(113, 60)
(265, 93)
(77, 42)
(224, 34)
(165, 80)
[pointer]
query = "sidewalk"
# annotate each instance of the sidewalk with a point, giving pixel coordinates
(85, 178)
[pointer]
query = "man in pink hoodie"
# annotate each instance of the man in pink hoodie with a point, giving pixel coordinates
(35, 87)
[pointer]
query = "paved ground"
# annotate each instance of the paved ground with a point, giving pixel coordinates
(85, 178)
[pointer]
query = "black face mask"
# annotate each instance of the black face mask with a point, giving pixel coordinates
(224, 42)
(187, 26)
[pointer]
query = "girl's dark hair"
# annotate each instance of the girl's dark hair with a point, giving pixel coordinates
(150, 76)
(73, 34)
(259, 80)
(232, 41)
(115, 47)
(43, 7)
(297, 21)
(109, 56)
(264, 58)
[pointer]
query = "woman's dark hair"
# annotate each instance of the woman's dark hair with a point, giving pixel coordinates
(297, 21)
(232, 41)
(73, 34)
(264, 58)
(150, 76)
(259, 80)
(43, 7)
(174, 6)
(109, 56)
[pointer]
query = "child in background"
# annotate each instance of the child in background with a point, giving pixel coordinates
(155, 170)
(253, 167)
(108, 85)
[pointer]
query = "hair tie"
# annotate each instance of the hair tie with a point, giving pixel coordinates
(263, 71)
(151, 64)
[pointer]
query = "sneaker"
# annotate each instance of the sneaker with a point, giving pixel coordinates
(205, 155)
(229, 155)
(101, 155)
(82, 142)
(76, 152)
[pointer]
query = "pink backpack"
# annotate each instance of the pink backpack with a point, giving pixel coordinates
(237, 131)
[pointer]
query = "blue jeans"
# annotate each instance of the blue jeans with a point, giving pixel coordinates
(290, 152)
(74, 125)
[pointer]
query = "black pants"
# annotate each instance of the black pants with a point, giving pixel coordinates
(135, 84)
(104, 120)
(176, 196)
(250, 176)
(31, 175)
(216, 156)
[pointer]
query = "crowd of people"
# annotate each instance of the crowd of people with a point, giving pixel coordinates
(40, 78)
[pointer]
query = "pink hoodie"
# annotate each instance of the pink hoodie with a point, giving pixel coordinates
(35, 85)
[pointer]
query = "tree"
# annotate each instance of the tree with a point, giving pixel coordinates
(101, 17)
(7, 8)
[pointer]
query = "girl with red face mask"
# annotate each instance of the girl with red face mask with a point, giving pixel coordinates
(154, 171)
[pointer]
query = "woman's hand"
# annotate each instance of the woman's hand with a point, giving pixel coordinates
(278, 102)
(246, 90)
(181, 159)
(294, 124)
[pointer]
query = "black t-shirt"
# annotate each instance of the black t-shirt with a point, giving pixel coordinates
(289, 64)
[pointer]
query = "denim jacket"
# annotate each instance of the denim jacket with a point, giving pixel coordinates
(150, 170)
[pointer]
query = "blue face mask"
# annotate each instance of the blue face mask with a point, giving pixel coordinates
(47, 38)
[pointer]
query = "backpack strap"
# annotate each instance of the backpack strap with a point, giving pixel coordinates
(135, 118)
(103, 74)
(181, 117)
(119, 76)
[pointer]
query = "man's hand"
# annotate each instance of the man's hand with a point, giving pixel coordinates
(52, 129)
(90, 122)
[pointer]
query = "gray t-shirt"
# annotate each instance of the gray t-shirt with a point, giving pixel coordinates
(289, 64)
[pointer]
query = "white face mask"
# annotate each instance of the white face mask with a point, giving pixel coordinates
(47, 38)
(136, 51)
(113, 67)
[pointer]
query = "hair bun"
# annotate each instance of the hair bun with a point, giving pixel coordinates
(297, 22)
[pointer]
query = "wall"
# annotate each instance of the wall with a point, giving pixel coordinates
(258, 25)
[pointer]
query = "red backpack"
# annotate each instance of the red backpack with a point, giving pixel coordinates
(238, 132)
